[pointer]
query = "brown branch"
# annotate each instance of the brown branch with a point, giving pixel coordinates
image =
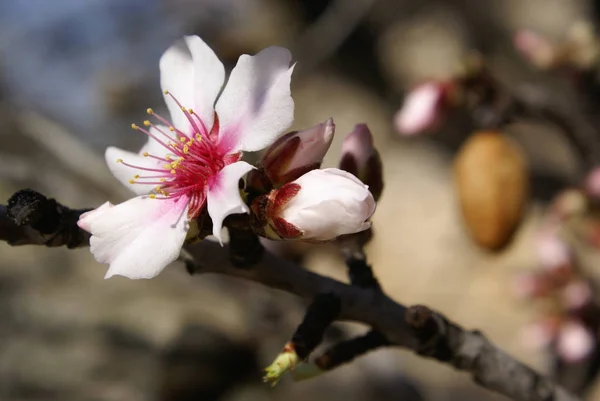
(417, 328)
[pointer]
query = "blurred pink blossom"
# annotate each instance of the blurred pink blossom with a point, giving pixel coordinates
(577, 294)
(552, 252)
(534, 47)
(592, 182)
(528, 285)
(575, 342)
(424, 107)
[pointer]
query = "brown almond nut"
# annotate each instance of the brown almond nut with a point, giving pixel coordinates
(491, 179)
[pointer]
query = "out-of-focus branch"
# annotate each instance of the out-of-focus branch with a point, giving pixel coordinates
(494, 105)
(324, 36)
(417, 328)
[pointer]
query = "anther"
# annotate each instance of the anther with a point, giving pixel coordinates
(152, 196)
(173, 171)
(190, 111)
(146, 154)
(134, 126)
(149, 111)
(136, 176)
(119, 160)
(166, 92)
(147, 123)
(172, 129)
(183, 109)
(132, 181)
(199, 137)
(167, 166)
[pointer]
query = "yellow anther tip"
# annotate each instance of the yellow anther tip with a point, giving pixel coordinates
(152, 196)
(190, 111)
(146, 154)
(147, 123)
(183, 109)
(173, 171)
(132, 181)
(136, 176)
(134, 126)
(166, 92)
(119, 160)
(171, 128)
(149, 110)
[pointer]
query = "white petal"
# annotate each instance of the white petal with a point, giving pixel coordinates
(256, 105)
(138, 238)
(85, 220)
(209, 75)
(176, 76)
(224, 195)
(124, 173)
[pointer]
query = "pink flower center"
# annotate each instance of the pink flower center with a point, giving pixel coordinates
(190, 161)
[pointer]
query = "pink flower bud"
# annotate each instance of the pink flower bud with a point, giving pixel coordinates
(423, 109)
(575, 341)
(296, 153)
(592, 183)
(529, 285)
(535, 48)
(360, 158)
(553, 253)
(577, 294)
(320, 206)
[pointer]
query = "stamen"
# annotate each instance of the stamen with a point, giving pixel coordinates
(138, 128)
(187, 114)
(139, 167)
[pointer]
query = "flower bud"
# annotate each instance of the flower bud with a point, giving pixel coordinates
(424, 107)
(319, 206)
(535, 48)
(360, 158)
(575, 342)
(296, 153)
(553, 253)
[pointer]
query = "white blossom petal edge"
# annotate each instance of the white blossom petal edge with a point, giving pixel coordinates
(192, 160)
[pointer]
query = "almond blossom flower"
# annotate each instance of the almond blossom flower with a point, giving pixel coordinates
(191, 161)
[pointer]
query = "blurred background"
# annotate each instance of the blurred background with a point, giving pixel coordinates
(520, 263)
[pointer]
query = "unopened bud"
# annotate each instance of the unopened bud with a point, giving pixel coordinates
(575, 342)
(553, 253)
(424, 108)
(319, 206)
(535, 48)
(359, 157)
(296, 153)
(592, 183)
(577, 294)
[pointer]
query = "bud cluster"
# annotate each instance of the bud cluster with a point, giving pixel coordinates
(567, 326)
(291, 198)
